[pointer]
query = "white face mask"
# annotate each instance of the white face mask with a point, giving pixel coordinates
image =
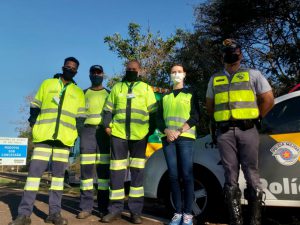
(177, 77)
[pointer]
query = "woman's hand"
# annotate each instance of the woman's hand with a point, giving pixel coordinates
(172, 135)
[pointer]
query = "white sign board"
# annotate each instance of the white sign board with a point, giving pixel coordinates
(13, 151)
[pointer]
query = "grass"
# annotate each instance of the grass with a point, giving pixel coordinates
(8, 183)
(44, 188)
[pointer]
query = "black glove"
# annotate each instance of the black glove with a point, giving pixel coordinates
(34, 112)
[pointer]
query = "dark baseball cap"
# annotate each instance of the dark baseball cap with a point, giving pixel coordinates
(96, 67)
(230, 45)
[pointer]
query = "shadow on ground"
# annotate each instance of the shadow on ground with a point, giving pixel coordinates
(13, 200)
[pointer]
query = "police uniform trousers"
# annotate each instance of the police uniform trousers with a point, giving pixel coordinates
(94, 154)
(121, 148)
(240, 147)
(48, 153)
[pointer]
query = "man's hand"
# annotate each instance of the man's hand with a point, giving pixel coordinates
(108, 131)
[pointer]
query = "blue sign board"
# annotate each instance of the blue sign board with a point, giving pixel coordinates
(13, 151)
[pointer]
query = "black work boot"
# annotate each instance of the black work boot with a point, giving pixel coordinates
(254, 198)
(233, 200)
(110, 217)
(103, 201)
(21, 220)
(102, 214)
(56, 219)
(135, 218)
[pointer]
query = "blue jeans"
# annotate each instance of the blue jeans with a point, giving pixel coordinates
(179, 157)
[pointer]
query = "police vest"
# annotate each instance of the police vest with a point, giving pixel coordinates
(130, 104)
(234, 99)
(176, 111)
(60, 105)
(94, 101)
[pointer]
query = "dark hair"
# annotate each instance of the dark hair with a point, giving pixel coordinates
(178, 64)
(73, 59)
(134, 61)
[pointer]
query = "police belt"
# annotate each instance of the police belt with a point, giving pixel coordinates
(241, 124)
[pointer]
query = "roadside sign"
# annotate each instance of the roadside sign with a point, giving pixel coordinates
(13, 151)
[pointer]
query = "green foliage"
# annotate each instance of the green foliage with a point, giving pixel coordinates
(269, 31)
(113, 81)
(151, 50)
(200, 58)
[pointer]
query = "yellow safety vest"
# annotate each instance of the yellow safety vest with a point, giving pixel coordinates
(94, 101)
(235, 98)
(131, 109)
(176, 111)
(60, 105)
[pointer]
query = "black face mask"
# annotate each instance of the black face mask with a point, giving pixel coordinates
(96, 80)
(230, 58)
(131, 76)
(68, 74)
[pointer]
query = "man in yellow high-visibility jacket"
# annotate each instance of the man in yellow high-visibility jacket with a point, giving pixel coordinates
(236, 98)
(94, 148)
(53, 114)
(129, 107)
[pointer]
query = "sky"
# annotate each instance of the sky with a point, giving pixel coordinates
(36, 36)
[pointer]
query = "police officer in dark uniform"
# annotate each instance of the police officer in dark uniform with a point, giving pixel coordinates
(236, 98)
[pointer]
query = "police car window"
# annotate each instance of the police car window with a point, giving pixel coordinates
(283, 118)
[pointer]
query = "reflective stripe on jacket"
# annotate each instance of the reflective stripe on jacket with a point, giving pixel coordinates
(60, 105)
(235, 98)
(94, 101)
(176, 111)
(131, 110)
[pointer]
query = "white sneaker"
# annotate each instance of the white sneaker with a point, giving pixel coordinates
(176, 220)
(187, 219)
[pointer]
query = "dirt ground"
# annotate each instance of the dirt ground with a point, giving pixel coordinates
(10, 199)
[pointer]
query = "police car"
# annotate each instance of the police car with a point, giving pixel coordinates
(278, 163)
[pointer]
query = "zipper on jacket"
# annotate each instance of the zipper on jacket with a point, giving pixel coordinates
(59, 112)
(128, 112)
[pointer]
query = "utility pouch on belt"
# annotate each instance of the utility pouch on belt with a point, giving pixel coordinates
(242, 124)
(246, 124)
(223, 127)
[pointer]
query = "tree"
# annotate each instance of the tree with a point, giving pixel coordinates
(269, 31)
(151, 50)
(200, 58)
(23, 128)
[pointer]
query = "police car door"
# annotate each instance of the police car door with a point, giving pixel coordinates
(279, 152)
